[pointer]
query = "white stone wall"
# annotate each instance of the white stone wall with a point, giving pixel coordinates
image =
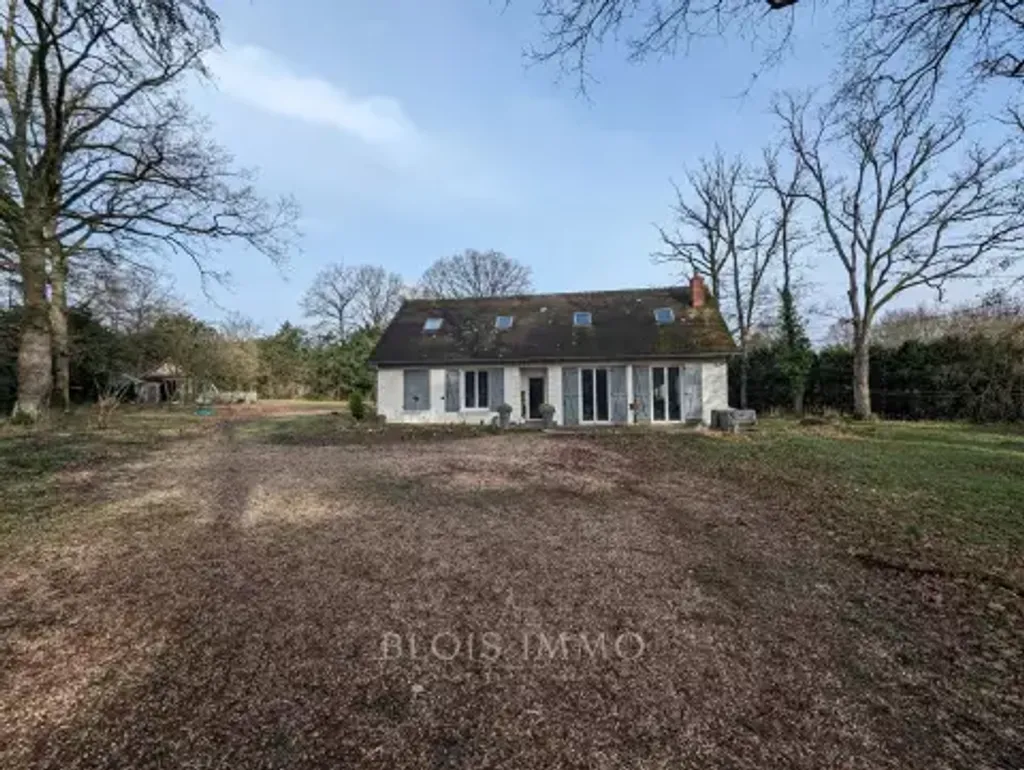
(390, 394)
(391, 397)
(513, 384)
(714, 387)
(555, 391)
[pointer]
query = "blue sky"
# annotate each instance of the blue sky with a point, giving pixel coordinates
(412, 130)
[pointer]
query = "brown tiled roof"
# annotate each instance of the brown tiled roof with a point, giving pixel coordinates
(623, 328)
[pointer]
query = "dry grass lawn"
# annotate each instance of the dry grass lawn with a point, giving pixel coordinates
(230, 599)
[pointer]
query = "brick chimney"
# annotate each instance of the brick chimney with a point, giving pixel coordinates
(698, 291)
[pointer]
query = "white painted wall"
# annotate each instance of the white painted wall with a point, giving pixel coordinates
(630, 395)
(513, 384)
(715, 388)
(391, 398)
(555, 391)
(390, 394)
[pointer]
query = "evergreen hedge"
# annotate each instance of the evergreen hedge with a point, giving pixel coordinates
(978, 378)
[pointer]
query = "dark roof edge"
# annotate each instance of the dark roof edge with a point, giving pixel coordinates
(557, 359)
(679, 287)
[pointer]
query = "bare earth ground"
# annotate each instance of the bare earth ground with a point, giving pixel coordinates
(232, 603)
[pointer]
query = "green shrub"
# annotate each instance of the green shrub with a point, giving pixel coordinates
(976, 377)
(356, 406)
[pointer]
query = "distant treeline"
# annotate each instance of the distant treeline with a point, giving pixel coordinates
(978, 377)
(290, 363)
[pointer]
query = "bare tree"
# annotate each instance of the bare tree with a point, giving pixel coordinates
(749, 260)
(696, 241)
(793, 353)
(725, 231)
(238, 327)
(11, 290)
(330, 300)
(8, 252)
(994, 313)
(105, 158)
(909, 43)
(379, 295)
(784, 185)
(343, 299)
(573, 28)
(906, 212)
(127, 300)
(476, 274)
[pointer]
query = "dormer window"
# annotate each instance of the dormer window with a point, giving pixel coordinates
(432, 324)
(503, 322)
(582, 318)
(664, 315)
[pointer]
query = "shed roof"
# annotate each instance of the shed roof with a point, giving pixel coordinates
(166, 371)
(623, 327)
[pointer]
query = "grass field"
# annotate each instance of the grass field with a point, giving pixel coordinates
(931, 491)
(31, 459)
(215, 591)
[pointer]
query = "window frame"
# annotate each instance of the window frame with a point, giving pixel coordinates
(576, 315)
(476, 390)
(666, 369)
(594, 390)
(671, 316)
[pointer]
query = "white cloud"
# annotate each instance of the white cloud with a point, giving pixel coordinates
(257, 77)
(372, 152)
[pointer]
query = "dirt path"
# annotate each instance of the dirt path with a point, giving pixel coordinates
(508, 601)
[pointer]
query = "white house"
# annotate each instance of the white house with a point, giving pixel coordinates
(613, 357)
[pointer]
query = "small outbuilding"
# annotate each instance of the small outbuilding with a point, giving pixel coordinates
(166, 382)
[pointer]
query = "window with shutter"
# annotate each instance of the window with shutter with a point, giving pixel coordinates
(476, 390)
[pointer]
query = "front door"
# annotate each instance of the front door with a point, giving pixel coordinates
(535, 397)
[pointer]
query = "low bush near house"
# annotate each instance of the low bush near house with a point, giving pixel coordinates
(356, 406)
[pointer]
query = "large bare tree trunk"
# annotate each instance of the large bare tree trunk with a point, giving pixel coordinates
(96, 144)
(861, 377)
(59, 330)
(35, 364)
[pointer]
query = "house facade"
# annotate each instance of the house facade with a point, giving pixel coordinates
(597, 358)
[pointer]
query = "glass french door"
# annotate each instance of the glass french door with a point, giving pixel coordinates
(667, 402)
(595, 396)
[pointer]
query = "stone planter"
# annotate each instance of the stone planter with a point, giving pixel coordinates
(504, 415)
(547, 414)
(733, 420)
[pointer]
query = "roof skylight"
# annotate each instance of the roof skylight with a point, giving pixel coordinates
(432, 324)
(582, 318)
(503, 322)
(664, 315)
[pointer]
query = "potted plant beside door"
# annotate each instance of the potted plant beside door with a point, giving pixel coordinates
(547, 414)
(504, 415)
